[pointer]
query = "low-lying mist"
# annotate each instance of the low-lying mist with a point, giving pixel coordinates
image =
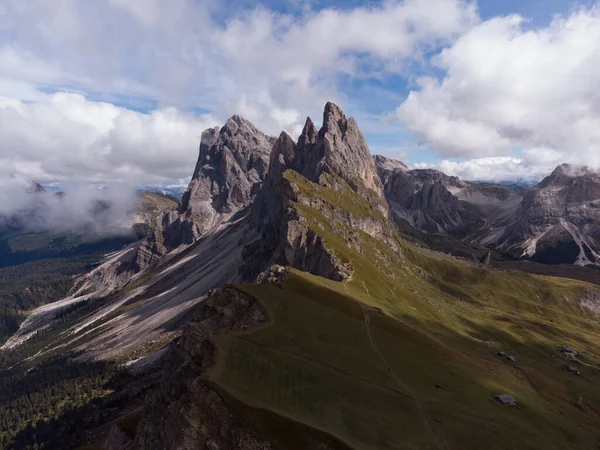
(91, 210)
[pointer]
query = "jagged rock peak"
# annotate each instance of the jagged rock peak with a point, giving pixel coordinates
(333, 116)
(209, 136)
(309, 133)
(339, 147)
(238, 124)
(346, 151)
(232, 163)
(282, 154)
(385, 164)
(565, 174)
(573, 170)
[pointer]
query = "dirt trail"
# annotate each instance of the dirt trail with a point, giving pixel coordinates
(400, 382)
(367, 319)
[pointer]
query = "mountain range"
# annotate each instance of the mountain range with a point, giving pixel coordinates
(554, 221)
(301, 295)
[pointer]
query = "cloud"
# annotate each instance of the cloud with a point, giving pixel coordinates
(274, 68)
(501, 168)
(510, 89)
(92, 210)
(65, 137)
(499, 87)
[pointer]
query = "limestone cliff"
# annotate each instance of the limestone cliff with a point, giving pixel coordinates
(335, 157)
(558, 221)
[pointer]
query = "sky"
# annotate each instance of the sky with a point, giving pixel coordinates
(121, 90)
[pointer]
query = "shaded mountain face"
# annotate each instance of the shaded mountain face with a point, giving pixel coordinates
(336, 156)
(231, 165)
(559, 219)
(554, 222)
(431, 201)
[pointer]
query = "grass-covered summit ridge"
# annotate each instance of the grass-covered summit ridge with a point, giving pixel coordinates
(404, 354)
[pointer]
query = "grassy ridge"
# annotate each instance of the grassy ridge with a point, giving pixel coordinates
(404, 355)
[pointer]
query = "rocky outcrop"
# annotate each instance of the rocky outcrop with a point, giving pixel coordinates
(339, 148)
(559, 219)
(187, 412)
(231, 166)
(431, 201)
(337, 157)
(287, 239)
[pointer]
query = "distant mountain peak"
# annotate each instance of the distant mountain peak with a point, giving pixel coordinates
(239, 121)
(565, 174)
(573, 170)
(35, 187)
(384, 163)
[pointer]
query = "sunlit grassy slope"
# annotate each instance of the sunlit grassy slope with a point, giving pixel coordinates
(404, 355)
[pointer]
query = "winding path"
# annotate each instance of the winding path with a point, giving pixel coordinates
(367, 319)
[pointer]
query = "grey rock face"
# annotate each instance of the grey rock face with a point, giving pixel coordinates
(286, 237)
(385, 165)
(231, 166)
(559, 219)
(434, 202)
(336, 152)
(340, 148)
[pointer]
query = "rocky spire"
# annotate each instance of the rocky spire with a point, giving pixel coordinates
(309, 134)
(387, 166)
(207, 140)
(269, 204)
(339, 148)
(232, 163)
(283, 155)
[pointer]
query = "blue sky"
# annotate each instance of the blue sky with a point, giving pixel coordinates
(117, 90)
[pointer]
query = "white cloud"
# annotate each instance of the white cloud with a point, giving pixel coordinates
(296, 64)
(270, 67)
(500, 168)
(508, 87)
(180, 54)
(83, 208)
(66, 137)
